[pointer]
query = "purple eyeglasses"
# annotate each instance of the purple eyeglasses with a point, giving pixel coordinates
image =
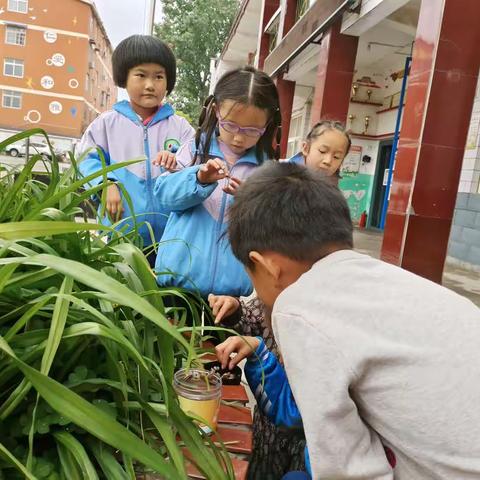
(232, 127)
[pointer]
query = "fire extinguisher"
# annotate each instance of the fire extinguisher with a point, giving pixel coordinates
(362, 223)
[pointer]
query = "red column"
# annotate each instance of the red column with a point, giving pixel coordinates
(269, 8)
(440, 95)
(336, 64)
(286, 92)
(290, 10)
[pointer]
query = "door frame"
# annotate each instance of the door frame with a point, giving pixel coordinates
(382, 143)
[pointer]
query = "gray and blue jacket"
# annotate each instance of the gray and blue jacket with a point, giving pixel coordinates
(121, 135)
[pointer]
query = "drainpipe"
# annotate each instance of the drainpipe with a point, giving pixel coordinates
(396, 136)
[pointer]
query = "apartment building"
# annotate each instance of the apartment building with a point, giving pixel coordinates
(55, 67)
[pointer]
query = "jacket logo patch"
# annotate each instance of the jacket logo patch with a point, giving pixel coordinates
(171, 145)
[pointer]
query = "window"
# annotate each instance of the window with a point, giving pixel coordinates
(295, 136)
(272, 31)
(273, 38)
(20, 6)
(15, 35)
(302, 7)
(11, 99)
(13, 67)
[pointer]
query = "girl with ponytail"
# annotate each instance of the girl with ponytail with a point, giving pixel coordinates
(239, 128)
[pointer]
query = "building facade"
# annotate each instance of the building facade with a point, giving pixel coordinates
(56, 68)
(403, 76)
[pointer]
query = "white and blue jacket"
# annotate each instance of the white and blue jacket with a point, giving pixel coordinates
(122, 136)
(194, 252)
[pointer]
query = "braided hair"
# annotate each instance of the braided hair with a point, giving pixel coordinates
(246, 86)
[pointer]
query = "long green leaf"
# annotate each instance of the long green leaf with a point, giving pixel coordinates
(91, 418)
(16, 187)
(5, 453)
(73, 187)
(70, 469)
(19, 230)
(168, 436)
(113, 290)
(57, 325)
(109, 465)
(79, 453)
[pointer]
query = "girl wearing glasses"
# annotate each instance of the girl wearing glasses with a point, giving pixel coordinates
(237, 128)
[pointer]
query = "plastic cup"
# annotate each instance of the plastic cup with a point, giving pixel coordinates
(199, 393)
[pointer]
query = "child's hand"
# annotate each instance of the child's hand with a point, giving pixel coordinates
(242, 346)
(212, 171)
(114, 203)
(232, 186)
(222, 306)
(166, 160)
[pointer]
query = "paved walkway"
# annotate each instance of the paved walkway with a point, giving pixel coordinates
(462, 281)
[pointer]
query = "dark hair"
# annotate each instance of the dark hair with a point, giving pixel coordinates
(138, 49)
(289, 209)
(325, 125)
(247, 86)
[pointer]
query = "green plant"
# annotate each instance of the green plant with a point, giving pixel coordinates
(87, 348)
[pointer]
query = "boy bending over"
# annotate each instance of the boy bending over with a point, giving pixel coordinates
(374, 354)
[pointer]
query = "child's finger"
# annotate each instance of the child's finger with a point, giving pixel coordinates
(165, 159)
(171, 162)
(222, 312)
(220, 352)
(211, 299)
(217, 165)
(225, 349)
(244, 351)
(235, 180)
(228, 189)
(216, 306)
(161, 159)
(158, 159)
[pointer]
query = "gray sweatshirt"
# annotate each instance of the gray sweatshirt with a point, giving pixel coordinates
(377, 355)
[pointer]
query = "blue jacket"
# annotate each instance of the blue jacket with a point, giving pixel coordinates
(194, 252)
(122, 136)
(298, 158)
(268, 381)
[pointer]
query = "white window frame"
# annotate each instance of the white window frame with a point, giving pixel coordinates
(15, 6)
(295, 141)
(13, 95)
(16, 62)
(18, 33)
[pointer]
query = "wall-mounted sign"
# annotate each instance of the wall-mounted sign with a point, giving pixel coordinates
(351, 163)
(57, 60)
(47, 82)
(33, 116)
(55, 107)
(50, 37)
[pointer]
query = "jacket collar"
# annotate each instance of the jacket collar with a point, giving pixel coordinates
(124, 108)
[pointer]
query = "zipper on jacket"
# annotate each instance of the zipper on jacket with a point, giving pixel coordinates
(149, 171)
(219, 229)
